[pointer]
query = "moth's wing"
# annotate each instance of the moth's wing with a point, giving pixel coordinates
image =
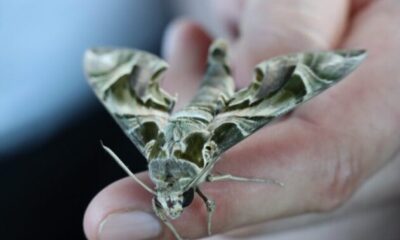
(127, 83)
(278, 86)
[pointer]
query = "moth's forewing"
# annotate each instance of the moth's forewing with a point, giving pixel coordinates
(278, 86)
(127, 82)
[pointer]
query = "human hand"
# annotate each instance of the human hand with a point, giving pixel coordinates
(323, 152)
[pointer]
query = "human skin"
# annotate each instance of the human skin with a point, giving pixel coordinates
(323, 152)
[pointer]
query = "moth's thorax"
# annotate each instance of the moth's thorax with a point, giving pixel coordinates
(172, 174)
(186, 138)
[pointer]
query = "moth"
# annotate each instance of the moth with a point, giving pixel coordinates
(182, 147)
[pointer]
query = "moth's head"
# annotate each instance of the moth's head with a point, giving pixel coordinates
(171, 177)
(172, 203)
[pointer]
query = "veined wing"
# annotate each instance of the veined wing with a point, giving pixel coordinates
(127, 83)
(278, 86)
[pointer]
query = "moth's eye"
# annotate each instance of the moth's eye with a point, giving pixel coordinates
(218, 54)
(157, 203)
(259, 75)
(227, 69)
(188, 197)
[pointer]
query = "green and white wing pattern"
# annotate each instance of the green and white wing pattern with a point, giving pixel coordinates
(278, 86)
(127, 82)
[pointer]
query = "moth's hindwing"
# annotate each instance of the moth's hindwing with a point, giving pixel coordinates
(278, 86)
(127, 83)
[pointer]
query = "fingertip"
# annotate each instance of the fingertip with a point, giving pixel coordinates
(185, 39)
(229, 12)
(123, 210)
(89, 227)
(119, 197)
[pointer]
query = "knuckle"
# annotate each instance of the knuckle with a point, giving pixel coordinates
(306, 33)
(344, 173)
(309, 34)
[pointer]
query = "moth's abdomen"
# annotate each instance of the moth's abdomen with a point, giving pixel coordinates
(217, 86)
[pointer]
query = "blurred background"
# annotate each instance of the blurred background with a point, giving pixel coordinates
(51, 163)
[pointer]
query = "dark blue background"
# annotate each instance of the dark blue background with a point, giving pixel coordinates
(51, 162)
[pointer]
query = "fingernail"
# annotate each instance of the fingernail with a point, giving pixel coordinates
(129, 225)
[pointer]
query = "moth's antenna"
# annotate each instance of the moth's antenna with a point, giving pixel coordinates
(126, 169)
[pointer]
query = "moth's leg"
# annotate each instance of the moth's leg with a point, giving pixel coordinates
(161, 215)
(210, 205)
(229, 177)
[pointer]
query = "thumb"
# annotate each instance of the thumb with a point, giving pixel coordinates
(123, 210)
